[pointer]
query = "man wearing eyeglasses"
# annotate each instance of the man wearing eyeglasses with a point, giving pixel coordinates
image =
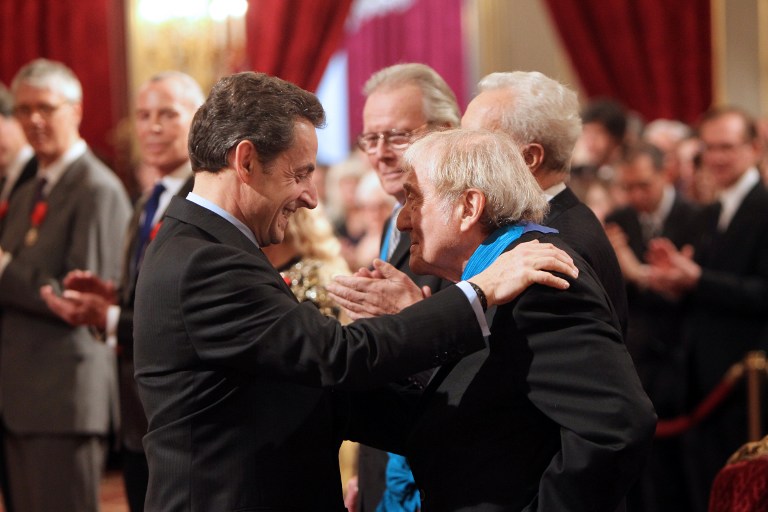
(57, 381)
(403, 102)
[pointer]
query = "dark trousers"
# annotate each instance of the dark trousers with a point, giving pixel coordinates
(135, 476)
(4, 487)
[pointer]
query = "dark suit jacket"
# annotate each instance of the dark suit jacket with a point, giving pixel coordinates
(654, 335)
(221, 350)
(55, 378)
(134, 422)
(550, 417)
(582, 231)
(727, 310)
(372, 462)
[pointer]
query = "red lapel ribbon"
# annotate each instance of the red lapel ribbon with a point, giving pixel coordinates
(38, 213)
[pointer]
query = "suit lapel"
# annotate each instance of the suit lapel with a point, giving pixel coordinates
(402, 252)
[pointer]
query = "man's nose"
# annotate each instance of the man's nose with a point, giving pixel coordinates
(403, 219)
(309, 196)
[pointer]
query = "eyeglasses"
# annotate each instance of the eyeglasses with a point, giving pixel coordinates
(723, 148)
(395, 139)
(46, 110)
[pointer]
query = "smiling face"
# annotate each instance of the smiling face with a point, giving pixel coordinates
(278, 189)
(434, 231)
(163, 116)
(728, 153)
(50, 122)
(400, 108)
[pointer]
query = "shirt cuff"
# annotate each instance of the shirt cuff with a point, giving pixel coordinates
(474, 301)
(113, 317)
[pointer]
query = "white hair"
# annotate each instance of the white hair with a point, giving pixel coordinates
(440, 106)
(544, 111)
(190, 89)
(457, 160)
(49, 74)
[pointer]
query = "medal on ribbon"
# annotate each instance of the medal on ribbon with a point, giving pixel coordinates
(35, 219)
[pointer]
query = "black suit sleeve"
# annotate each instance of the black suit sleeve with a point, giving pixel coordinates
(238, 314)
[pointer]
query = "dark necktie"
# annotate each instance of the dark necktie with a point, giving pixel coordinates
(150, 209)
(39, 195)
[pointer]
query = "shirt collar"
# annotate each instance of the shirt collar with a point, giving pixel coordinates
(732, 197)
(552, 191)
(221, 212)
(176, 179)
(53, 172)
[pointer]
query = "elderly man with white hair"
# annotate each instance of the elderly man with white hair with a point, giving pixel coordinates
(551, 415)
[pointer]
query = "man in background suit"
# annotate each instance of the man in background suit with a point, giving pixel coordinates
(16, 167)
(58, 382)
(165, 106)
(542, 117)
(551, 416)
(224, 352)
(723, 283)
(403, 102)
(654, 210)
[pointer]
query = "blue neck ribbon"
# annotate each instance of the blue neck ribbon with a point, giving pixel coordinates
(492, 247)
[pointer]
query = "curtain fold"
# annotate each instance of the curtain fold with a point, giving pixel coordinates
(294, 39)
(655, 56)
(88, 36)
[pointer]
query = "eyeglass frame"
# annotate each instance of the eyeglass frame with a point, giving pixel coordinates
(45, 110)
(375, 137)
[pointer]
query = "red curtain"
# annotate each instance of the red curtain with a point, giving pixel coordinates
(88, 36)
(654, 55)
(429, 31)
(294, 39)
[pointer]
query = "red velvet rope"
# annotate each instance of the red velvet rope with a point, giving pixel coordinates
(676, 426)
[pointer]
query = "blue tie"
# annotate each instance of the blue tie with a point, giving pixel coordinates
(150, 209)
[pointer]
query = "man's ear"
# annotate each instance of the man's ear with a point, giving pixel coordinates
(245, 161)
(472, 207)
(533, 154)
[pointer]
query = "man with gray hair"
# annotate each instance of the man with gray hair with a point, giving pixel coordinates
(57, 381)
(541, 116)
(551, 415)
(165, 106)
(403, 102)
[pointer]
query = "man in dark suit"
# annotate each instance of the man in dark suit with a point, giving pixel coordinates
(654, 338)
(402, 102)
(551, 416)
(542, 117)
(165, 106)
(224, 353)
(723, 283)
(57, 382)
(17, 166)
